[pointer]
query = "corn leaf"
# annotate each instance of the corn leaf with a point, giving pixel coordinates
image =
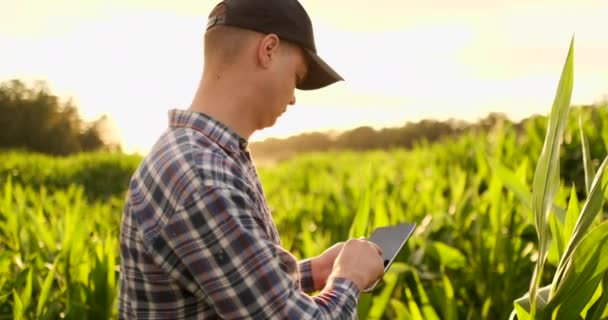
(381, 217)
(46, 288)
(509, 179)
(450, 300)
(519, 313)
(448, 256)
(591, 208)
(26, 295)
(557, 240)
(362, 217)
(587, 163)
(573, 306)
(400, 310)
(601, 305)
(513, 184)
(364, 306)
(427, 308)
(18, 312)
(585, 268)
(412, 306)
(546, 175)
(572, 215)
(380, 302)
(523, 305)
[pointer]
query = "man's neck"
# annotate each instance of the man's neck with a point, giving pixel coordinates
(225, 104)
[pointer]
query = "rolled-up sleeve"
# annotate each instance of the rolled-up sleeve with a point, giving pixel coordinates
(216, 247)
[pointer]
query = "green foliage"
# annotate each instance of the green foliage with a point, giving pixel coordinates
(474, 245)
(480, 224)
(101, 175)
(579, 248)
(546, 176)
(58, 254)
(31, 118)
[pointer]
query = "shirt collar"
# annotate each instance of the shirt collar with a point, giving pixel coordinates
(211, 128)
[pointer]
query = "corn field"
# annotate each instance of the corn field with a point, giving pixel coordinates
(511, 222)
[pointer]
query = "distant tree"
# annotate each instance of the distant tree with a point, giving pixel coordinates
(361, 138)
(408, 135)
(31, 118)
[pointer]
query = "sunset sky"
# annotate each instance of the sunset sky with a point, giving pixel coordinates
(403, 60)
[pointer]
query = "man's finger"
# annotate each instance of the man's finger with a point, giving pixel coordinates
(377, 247)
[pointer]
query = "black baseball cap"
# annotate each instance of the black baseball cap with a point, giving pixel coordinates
(285, 18)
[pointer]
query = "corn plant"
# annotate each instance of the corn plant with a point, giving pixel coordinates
(60, 217)
(59, 255)
(578, 288)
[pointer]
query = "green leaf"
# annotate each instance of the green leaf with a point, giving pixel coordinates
(523, 305)
(360, 224)
(586, 266)
(546, 175)
(364, 306)
(587, 163)
(522, 314)
(380, 302)
(574, 305)
(400, 267)
(591, 208)
(26, 295)
(572, 215)
(448, 256)
(601, 305)
(400, 310)
(510, 180)
(450, 311)
(557, 244)
(46, 288)
(18, 312)
(412, 306)
(381, 217)
(427, 308)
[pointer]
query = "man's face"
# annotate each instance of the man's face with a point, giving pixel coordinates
(287, 70)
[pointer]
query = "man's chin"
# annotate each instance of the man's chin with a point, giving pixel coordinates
(269, 123)
(274, 121)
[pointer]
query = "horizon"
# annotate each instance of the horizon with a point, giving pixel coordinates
(435, 60)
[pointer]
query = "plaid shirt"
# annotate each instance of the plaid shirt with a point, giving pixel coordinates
(197, 239)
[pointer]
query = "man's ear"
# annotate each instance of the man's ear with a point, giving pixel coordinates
(268, 49)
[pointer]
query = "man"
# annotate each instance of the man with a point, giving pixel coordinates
(197, 238)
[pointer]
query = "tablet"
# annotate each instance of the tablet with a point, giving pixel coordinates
(391, 239)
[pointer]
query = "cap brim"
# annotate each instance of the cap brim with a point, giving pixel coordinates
(319, 74)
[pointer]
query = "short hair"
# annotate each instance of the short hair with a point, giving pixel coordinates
(224, 44)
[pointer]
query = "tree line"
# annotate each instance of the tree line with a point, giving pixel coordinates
(431, 131)
(34, 119)
(367, 138)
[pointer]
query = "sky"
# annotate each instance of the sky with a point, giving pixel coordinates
(134, 60)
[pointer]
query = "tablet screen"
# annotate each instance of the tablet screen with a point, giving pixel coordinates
(392, 240)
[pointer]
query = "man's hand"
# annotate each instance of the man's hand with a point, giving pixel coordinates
(323, 264)
(360, 261)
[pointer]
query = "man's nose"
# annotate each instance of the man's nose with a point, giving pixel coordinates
(293, 100)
